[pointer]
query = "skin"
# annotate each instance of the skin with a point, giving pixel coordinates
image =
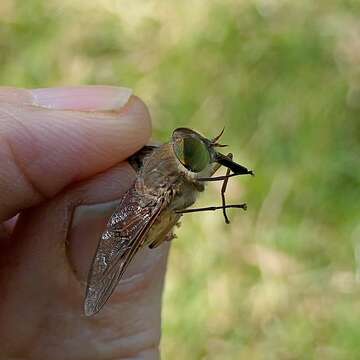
(62, 172)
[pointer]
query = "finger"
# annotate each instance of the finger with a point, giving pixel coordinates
(4, 233)
(45, 290)
(43, 149)
(6, 229)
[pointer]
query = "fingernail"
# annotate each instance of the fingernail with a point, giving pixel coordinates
(82, 98)
(88, 223)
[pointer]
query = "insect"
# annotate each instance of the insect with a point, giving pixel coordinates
(169, 177)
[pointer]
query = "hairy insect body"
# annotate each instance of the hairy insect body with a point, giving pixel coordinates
(169, 177)
(161, 177)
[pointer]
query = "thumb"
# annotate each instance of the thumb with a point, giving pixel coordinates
(41, 307)
(52, 137)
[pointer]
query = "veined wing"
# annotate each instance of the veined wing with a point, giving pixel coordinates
(124, 235)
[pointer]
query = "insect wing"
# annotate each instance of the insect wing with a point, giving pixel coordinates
(125, 234)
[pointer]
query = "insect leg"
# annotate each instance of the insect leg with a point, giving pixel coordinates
(212, 208)
(223, 190)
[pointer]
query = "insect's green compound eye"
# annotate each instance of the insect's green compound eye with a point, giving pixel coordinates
(192, 153)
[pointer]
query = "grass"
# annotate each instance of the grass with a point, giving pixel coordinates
(282, 281)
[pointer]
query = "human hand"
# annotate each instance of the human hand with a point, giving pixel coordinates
(62, 156)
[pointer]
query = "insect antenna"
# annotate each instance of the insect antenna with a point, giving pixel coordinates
(214, 141)
(216, 138)
(219, 145)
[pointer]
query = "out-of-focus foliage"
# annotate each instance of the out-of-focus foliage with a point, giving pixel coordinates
(282, 281)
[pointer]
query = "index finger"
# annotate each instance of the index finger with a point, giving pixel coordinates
(43, 149)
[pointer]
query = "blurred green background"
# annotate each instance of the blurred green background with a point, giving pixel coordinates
(282, 281)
